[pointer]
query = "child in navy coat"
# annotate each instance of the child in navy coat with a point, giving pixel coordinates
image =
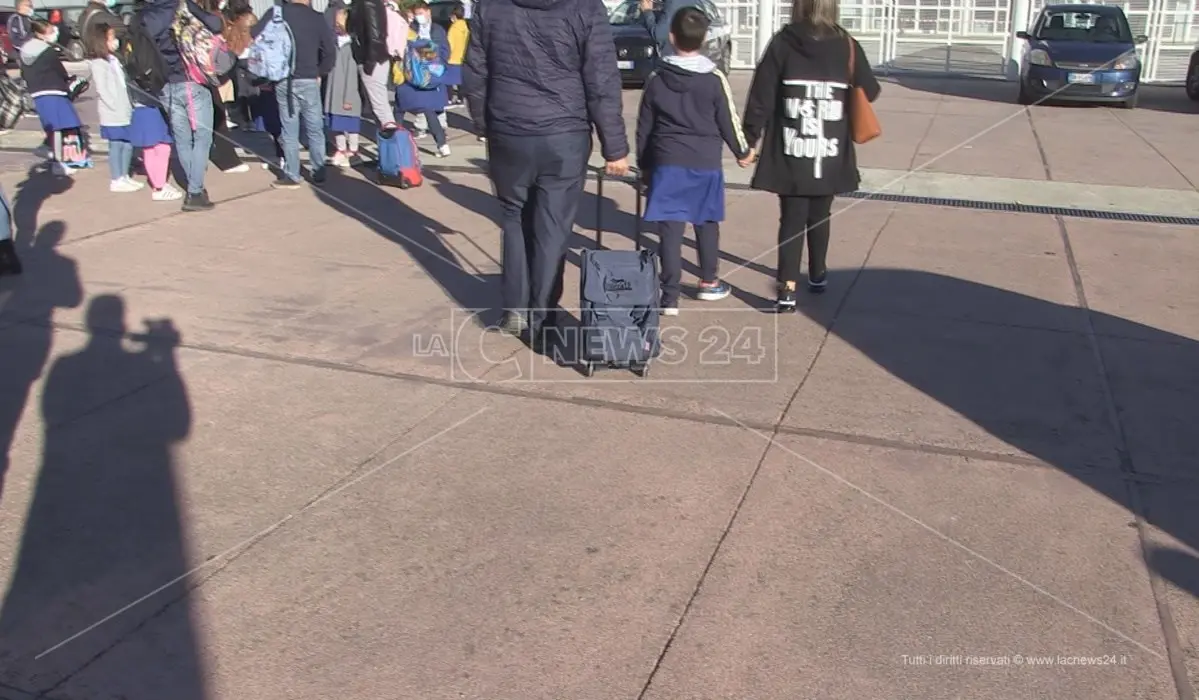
(687, 115)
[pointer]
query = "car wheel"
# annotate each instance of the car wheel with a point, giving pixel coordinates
(1024, 97)
(75, 51)
(1193, 80)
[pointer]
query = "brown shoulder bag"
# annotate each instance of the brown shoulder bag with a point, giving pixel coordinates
(863, 122)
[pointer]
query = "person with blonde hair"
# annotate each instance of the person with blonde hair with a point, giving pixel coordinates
(798, 108)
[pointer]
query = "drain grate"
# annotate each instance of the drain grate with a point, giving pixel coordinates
(1028, 209)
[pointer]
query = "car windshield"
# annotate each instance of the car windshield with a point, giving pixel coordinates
(625, 13)
(1085, 25)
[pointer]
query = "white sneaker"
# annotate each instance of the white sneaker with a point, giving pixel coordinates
(168, 193)
(61, 170)
(420, 134)
(243, 168)
(443, 150)
(670, 311)
(136, 183)
(341, 160)
(122, 185)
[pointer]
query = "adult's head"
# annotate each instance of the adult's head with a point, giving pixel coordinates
(688, 29)
(421, 14)
(821, 15)
(25, 7)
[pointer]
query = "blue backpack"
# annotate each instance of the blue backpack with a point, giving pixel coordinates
(273, 53)
(423, 66)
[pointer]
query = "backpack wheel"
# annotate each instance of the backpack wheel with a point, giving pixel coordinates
(589, 369)
(641, 370)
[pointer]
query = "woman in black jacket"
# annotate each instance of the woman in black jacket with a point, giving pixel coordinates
(800, 98)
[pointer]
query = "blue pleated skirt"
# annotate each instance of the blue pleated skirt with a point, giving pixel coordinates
(56, 112)
(683, 194)
(147, 128)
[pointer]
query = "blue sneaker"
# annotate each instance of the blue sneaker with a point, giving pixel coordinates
(713, 291)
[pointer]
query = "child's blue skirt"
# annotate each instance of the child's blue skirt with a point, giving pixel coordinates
(56, 112)
(342, 124)
(146, 129)
(683, 194)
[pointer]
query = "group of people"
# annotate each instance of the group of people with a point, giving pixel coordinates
(540, 77)
(355, 42)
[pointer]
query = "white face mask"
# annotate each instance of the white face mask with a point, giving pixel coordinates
(223, 4)
(52, 37)
(113, 45)
(422, 20)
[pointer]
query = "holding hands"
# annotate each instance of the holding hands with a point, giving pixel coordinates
(749, 158)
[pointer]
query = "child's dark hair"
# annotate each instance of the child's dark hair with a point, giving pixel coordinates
(40, 26)
(458, 12)
(419, 5)
(96, 41)
(689, 27)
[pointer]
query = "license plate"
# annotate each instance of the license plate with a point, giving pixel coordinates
(624, 65)
(1081, 78)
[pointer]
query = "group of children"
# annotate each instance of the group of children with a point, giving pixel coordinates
(131, 121)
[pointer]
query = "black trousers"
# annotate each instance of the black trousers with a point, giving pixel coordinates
(223, 154)
(670, 251)
(538, 180)
(801, 217)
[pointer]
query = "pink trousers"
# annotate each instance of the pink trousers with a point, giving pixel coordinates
(157, 160)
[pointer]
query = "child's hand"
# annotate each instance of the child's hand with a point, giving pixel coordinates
(749, 158)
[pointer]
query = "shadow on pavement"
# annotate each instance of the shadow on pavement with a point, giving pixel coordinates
(1035, 386)
(1159, 98)
(50, 281)
(424, 239)
(104, 533)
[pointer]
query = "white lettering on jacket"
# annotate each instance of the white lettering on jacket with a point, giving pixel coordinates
(819, 104)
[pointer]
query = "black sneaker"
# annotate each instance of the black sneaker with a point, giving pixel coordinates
(786, 300)
(817, 283)
(197, 202)
(10, 264)
(284, 182)
(319, 176)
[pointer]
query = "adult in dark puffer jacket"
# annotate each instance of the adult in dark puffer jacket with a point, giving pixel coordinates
(539, 74)
(188, 105)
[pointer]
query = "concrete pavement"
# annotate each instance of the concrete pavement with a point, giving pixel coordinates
(966, 471)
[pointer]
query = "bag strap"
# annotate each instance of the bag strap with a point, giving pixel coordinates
(853, 53)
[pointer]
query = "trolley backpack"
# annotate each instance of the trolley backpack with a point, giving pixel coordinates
(399, 160)
(12, 103)
(618, 302)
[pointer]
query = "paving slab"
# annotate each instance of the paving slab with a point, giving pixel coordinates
(1173, 555)
(826, 584)
(980, 145)
(961, 264)
(1162, 301)
(121, 503)
(960, 385)
(492, 566)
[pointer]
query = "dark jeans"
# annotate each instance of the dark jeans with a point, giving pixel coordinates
(538, 180)
(797, 216)
(670, 251)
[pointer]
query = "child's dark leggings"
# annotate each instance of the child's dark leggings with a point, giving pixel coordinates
(670, 251)
(799, 216)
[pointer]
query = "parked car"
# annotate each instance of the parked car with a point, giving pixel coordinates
(636, 54)
(1193, 77)
(1081, 53)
